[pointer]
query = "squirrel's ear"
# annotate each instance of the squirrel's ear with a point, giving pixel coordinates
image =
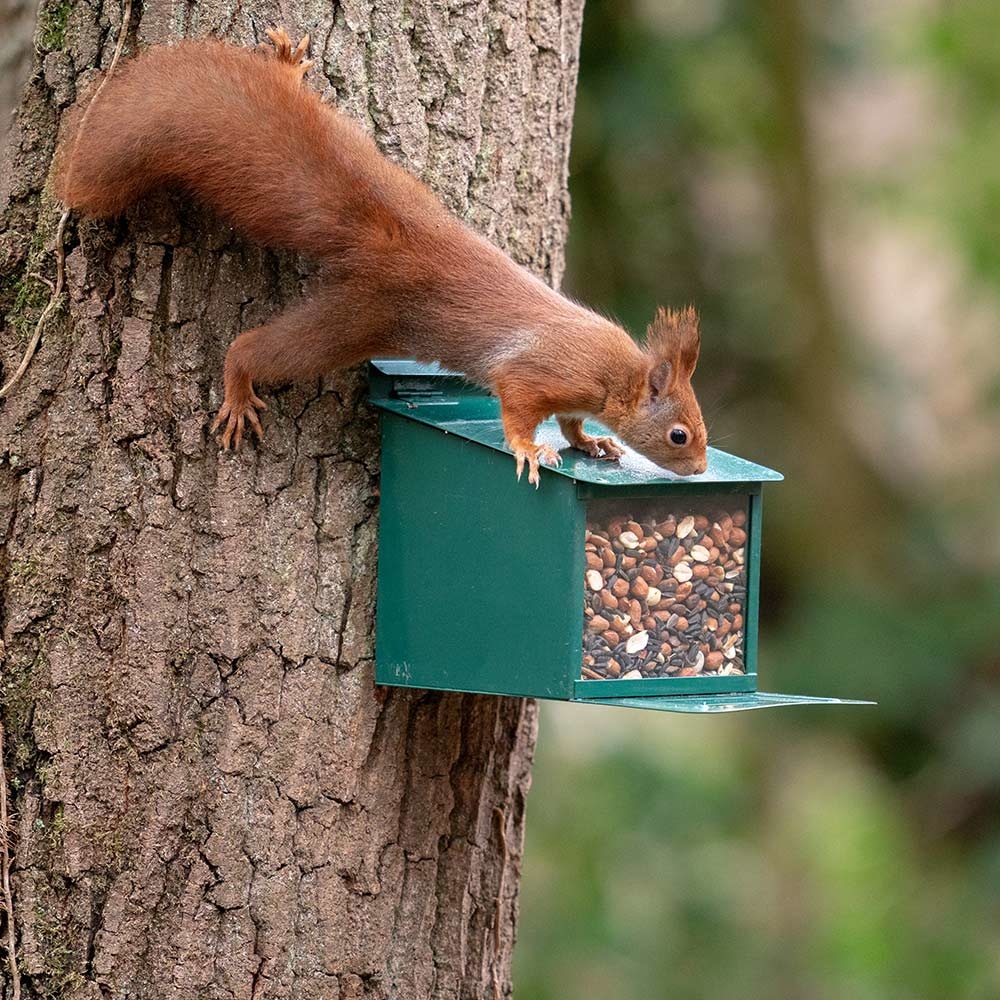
(661, 377)
(674, 336)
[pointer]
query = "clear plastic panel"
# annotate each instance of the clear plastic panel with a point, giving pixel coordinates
(665, 588)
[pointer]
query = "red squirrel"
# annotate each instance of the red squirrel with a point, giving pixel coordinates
(401, 276)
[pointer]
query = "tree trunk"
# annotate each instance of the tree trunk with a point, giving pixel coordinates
(212, 798)
(17, 18)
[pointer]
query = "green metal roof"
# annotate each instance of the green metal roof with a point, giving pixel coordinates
(439, 398)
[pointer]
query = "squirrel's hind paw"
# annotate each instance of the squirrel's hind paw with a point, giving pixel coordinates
(235, 415)
(286, 53)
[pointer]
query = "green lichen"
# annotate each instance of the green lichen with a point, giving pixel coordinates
(112, 846)
(22, 303)
(55, 829)
(22, 570)
(52, 20)
(17, 705)
(59, 976)
(10, 292)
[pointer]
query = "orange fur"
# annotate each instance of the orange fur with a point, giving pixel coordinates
(402, 277)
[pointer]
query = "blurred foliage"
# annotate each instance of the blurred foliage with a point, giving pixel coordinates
(823, 182)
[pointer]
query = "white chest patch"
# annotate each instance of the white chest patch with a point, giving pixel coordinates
(514, 345)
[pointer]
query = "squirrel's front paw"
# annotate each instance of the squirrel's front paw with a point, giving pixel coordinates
(596, 447)
(603, 447)
(235, 413)
(533, 454)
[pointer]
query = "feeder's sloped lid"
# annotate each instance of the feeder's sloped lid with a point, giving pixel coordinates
(434, 396)
(712, 703)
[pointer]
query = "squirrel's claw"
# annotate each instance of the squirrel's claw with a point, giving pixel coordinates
(300, 49)
(235, 415)
(286, 53)
(533, 454)
(548, 455)
(605, 447)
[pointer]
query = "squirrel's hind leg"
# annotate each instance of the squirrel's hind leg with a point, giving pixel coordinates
(317, 336)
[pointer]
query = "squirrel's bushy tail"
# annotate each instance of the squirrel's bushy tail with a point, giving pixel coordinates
(237, 129)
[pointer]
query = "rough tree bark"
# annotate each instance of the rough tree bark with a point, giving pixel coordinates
(17, 18)
(213, 800)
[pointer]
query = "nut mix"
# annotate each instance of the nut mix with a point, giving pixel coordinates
(665, 597)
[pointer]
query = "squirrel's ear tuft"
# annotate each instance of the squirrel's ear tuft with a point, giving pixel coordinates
(674, 336)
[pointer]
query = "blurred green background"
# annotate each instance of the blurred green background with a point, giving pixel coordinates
(823, 181)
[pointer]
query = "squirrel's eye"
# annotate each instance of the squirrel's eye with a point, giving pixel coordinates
(678, 436)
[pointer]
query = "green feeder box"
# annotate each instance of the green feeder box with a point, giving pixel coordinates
(611, 584)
